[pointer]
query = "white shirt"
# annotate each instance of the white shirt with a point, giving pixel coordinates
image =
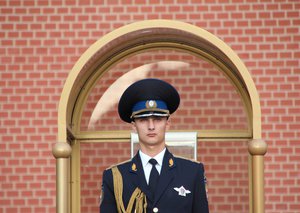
(148, 166)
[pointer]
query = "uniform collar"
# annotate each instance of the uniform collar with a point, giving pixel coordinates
(137, 164)
(159, 157)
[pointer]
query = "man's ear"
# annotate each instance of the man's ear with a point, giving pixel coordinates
(133, 127)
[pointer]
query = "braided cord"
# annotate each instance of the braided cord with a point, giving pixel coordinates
(137, 197)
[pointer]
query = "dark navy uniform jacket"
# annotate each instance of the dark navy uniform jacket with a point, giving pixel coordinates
(181, 186)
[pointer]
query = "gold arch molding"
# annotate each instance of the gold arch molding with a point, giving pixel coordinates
(142, 36)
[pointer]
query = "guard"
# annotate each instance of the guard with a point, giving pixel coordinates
(153, 180)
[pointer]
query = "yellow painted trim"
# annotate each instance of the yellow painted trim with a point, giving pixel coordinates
(62, 175)
(82, 76)
(199, 53)
(62, 152)
(258, 184)
(250, 184)
(75, 178)
(64, 118)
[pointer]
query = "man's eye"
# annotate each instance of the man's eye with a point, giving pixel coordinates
(141, 119)
(157, 118)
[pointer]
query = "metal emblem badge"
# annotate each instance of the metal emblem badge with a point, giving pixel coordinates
(182, 191)
(171, 162)
(133, 167)
(151, 104)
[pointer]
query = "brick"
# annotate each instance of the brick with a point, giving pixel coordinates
(272, 34)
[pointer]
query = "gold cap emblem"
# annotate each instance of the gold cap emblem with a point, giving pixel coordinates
(151, 104)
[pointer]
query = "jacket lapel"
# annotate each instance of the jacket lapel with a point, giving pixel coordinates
(166, 175)
(139, 180)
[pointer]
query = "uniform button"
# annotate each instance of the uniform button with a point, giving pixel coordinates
(155, 209)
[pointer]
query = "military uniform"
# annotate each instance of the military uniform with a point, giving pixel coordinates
(180, 186)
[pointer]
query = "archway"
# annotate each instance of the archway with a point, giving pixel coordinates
(139, 37)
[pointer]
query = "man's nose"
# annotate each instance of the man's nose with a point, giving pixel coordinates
(151, 124)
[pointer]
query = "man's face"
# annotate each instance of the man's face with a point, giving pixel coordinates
(151, 130)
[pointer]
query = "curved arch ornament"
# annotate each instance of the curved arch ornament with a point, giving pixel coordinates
(142, 36)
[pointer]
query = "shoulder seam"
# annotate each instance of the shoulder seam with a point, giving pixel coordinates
(184, 158)
(118, 164)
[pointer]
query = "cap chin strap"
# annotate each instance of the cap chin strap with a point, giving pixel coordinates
(150, 114)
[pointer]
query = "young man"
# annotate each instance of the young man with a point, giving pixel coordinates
(154, 180)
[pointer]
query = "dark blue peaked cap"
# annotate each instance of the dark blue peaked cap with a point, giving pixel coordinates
(138, 96)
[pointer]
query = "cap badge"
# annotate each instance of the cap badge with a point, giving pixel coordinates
(151, 104)
(133, 167)
(171, 162)
(182, 191)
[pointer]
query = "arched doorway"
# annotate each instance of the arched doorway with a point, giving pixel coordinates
(176, 42)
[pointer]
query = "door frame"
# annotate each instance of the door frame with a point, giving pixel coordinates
(123, 42)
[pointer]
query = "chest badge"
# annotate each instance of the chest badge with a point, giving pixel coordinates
(182, 191)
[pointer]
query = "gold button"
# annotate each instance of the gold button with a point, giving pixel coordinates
(155, 209)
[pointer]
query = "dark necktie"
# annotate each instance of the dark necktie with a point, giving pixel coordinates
(154, 176)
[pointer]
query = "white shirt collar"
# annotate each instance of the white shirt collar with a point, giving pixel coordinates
(159, 158)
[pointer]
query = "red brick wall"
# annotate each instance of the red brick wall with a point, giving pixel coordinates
(208, 100)
(42, 40)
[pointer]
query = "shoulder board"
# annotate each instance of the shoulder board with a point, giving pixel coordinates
(188, 159)
(118, 164)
